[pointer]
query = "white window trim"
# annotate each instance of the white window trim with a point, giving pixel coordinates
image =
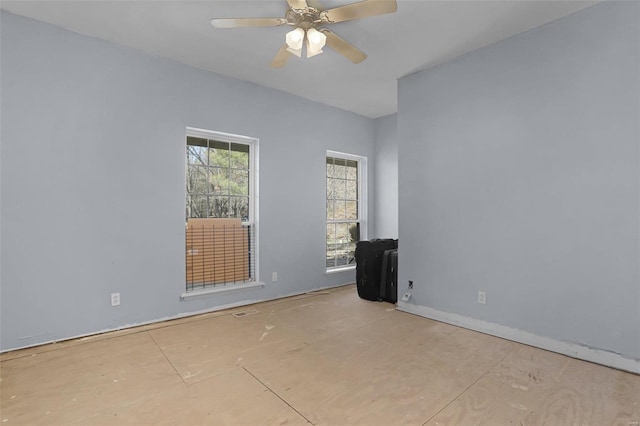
(362, 200)
(210, 291)
(339, 269)
(253, 201)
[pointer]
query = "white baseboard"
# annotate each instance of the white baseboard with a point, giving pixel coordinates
(574, 350)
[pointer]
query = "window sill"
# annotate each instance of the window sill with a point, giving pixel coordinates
(211, 291)
(342, 269)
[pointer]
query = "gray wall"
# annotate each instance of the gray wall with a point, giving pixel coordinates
(93, 186)
(386, 177)
(519, 175)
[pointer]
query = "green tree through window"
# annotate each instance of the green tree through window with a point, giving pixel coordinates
(217, 179)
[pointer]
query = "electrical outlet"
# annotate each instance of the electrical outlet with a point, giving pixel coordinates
(406, 297)
(410, 284)
(115, 299)
(482, 297)
(274, 276)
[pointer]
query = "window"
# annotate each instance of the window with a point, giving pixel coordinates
(346, 208)
(220, 209)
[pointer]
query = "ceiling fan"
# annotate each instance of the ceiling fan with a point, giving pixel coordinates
(307, 21)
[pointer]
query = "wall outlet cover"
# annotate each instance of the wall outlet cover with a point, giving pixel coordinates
(115, 299)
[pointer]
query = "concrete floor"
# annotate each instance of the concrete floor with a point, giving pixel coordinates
(327, 358)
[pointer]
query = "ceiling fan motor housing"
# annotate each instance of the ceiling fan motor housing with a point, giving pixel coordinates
(306, 18)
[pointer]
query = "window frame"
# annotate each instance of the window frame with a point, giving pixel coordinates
(362, 210)
(254, 188)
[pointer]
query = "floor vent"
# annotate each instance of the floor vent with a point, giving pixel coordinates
(244, 313)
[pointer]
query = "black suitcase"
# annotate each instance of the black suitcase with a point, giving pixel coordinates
(389, 276)
(368, 263)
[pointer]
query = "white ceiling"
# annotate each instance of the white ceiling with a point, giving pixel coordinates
(422, 33)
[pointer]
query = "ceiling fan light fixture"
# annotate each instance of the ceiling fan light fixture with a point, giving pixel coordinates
(294, 39)
(311, 52)
(316, 40)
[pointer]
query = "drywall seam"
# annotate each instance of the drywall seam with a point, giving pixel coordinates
(573, 350)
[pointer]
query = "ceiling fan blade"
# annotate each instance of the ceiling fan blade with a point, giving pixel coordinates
(247, 22)
(343, 47)
(359, 10)
(281, 58)
(297, 4)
